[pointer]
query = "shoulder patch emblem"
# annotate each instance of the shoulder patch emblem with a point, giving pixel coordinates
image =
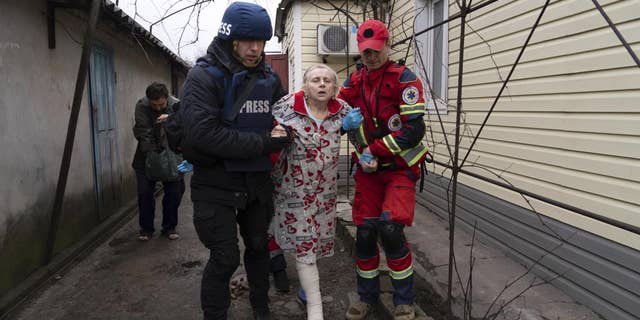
(394, 122)
(410, 95)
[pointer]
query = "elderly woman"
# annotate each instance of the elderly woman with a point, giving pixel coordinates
(306, 175)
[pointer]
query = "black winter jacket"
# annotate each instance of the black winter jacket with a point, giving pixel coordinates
(146, 131)
(210, 141)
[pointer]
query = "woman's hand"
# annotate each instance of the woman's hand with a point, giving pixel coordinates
(276, 140)
(278, 132)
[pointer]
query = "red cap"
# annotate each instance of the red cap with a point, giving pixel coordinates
(372, 34)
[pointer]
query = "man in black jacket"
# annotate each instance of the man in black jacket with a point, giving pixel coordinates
(228, 136)
(152, 111)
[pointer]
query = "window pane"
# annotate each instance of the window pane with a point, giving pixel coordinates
(438, 61)
(422, 41)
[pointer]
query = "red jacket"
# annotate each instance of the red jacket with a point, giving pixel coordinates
(392, 102)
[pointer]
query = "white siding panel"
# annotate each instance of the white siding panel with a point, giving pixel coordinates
(562, 27)
(604, 165)
(579, 15)
(579, 221)
(610, 102)
(617, 210)
(591, 185)
(616, 145)
(621, 211)
(611, 58)
(590, 41)
(622, 123)
(616, 79)
(494, 14)
(522, 14)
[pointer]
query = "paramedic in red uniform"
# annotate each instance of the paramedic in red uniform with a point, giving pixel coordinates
(389, 151)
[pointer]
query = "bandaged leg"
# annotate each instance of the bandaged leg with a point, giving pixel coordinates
(310, 281)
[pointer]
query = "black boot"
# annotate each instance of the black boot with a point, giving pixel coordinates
(281, 280)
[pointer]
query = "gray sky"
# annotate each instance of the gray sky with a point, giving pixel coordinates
(170, 29)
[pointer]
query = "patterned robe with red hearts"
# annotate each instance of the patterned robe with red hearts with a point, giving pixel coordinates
(306, 180)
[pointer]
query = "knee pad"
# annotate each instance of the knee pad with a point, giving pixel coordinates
(257, 245)
(366, 241)
(393, 240)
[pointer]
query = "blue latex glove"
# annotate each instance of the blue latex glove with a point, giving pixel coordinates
(185, 166)
(352, 120)
(365, 158)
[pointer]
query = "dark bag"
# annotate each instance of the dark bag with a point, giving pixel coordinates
(163, 165)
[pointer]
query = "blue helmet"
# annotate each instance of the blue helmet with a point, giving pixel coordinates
(244, 20)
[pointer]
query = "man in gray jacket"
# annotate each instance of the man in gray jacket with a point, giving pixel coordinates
(152, 111)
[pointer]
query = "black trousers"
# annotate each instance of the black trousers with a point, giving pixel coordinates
(215, 224)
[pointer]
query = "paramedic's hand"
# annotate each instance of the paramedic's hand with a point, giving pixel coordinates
(162, 118)
(368, 162)
(185, 167)
(352, 120)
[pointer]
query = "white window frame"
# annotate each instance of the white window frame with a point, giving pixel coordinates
(426, 44)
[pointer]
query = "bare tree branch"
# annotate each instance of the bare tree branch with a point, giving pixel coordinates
(176, 12)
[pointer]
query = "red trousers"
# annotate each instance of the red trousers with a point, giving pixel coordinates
(386, 194)
(382, 199)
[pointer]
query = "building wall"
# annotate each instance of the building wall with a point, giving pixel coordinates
(35, 103)
(567, 127)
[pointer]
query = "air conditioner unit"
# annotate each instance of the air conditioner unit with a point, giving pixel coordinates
(332, 40)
